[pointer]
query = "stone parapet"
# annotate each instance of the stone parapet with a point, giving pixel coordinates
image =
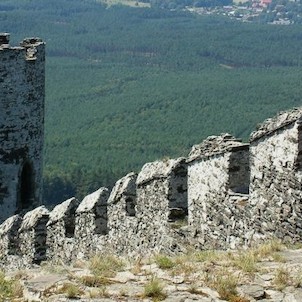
(122, 215)
(273, 124)
(9, 238)
(214, 145)
(60, 231)
(224, 195)
(32, 235)
(91, 221)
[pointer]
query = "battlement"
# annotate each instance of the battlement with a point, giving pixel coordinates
(225, 194)
(4, 40)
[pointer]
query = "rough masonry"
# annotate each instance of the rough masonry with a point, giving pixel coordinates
(22, 85)
(224, 194)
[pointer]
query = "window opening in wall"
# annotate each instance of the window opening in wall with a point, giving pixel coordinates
(26, 187)
(101, 220)
(298, 162)
(178, 197)
(70, 227)
(239, 172)
(130, 206)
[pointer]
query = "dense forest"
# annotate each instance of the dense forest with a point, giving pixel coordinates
(129, 85)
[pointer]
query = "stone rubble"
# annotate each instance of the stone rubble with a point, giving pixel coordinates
(44, 284)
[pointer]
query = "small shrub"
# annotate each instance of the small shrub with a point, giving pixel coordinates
(164, 262)
(154, 289)
(104, 265)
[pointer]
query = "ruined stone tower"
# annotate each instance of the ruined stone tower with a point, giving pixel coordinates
(22, 86)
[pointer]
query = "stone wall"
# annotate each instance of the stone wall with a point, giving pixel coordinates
(225, 194)
(122, 215)
(275, 188)
(61, 230)
(158, 205)
(91, 225)
(21, 124)
(218, 169)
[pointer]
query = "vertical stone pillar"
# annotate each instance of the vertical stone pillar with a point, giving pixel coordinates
(33, 234)
(122, 210)
(156, 201)
(91, 222)
(9, 239)
(218, 169)
(60, 231)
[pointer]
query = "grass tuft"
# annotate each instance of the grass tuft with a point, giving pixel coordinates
(164, 262)
(268, 249)
(246, 261)
(94, 281)
(224, 283)
(105, 266)
(71, 290)
(154, 289)
(9, 288)
(282, 278)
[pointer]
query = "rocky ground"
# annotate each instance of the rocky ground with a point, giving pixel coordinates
(269, 272)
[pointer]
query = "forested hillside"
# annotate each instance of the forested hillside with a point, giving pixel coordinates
(131, 85)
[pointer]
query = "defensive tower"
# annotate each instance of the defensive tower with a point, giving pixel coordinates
(22, 86)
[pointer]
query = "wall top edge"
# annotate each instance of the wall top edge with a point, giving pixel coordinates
(26, 43)
(281, 120)
(216, 145)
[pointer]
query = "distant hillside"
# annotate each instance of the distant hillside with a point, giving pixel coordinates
(126, 86)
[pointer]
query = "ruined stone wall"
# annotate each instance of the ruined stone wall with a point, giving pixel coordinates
(217, 214)
(275, 188)
(21, 124)
(122, 215)
(156, 204)
(199, 201)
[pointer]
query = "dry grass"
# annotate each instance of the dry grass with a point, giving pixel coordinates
(164, 262)
(105, 266)
(70, 290)
(246, 262)
(223, 282)
(266, 250)
(155, 290)
(9, 288)
(94, 281)
(282, 278)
